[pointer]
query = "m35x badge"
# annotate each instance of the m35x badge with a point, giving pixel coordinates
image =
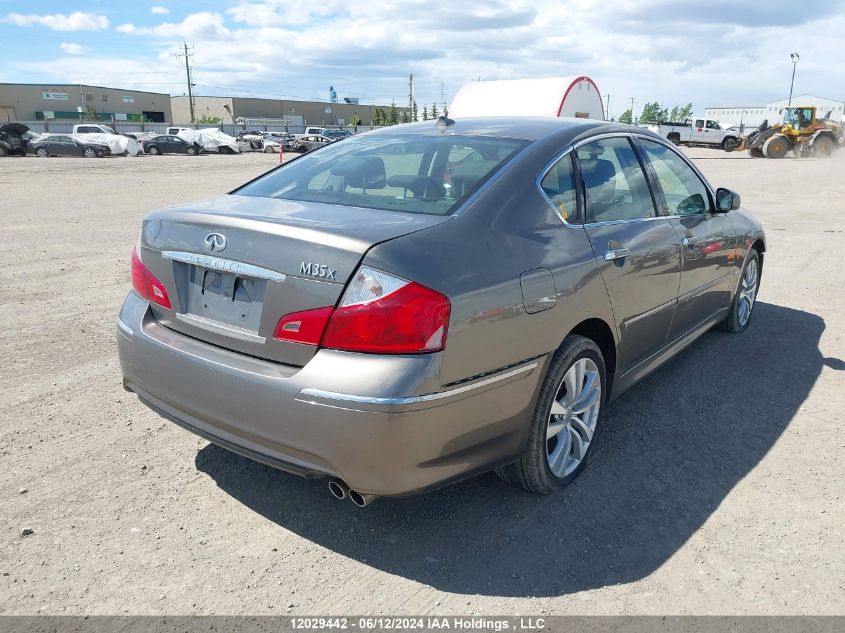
(317, 270)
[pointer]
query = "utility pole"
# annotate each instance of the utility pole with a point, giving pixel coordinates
(411, 92)
(632, 110)
(443, 96)
(188, 56)
(607, 108)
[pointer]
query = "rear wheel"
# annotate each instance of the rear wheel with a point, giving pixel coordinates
(776, 147)
(566, 419)
(153, 151)
(730, 143)
(823, 147)
(42, 152)
(269, 150)
(739, 318)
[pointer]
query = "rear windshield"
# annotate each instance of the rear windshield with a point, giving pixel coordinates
(402, 172)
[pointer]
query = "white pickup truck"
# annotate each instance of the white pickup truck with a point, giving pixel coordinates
(698, 131)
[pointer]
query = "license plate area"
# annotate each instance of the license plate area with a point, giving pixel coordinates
(225, 297)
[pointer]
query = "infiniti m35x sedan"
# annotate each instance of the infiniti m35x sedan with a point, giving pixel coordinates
(423, 303)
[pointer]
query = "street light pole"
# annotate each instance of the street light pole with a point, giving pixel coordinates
(794, 57)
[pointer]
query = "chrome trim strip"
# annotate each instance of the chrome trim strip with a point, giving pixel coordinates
(699, 289)
(669, 304)
(210, 325)
(303, 395)
(226, 265)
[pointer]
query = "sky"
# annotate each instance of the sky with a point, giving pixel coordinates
(712, 53)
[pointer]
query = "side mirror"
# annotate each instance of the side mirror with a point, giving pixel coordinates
(727, 200)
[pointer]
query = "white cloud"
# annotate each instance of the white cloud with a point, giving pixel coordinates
(72, 49)
(159, 10)
(77, 21)
(200, 26)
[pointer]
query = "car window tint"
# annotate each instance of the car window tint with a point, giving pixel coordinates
(699, 123)
(559, 185)
(712, 125)
(400, 172)
(684, 191)
(614, 183)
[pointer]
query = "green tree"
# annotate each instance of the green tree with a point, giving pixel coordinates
(211, 120)
(654, 112)
(354, 121)
(679, 113)
(406, 118)
(434, 111)
(425, 113)
(414, 111)
(626, 117)
(394, 114)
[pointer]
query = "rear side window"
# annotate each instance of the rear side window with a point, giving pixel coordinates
(684, 191)
(398, 172)
(614, 183)
(559, 186)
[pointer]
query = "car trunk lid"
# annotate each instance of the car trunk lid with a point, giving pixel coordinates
(234, 265)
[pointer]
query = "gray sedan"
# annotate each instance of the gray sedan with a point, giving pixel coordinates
(427, 302)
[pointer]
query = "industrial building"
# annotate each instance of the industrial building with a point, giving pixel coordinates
(37, 102)
(296, 113)
(753, 116)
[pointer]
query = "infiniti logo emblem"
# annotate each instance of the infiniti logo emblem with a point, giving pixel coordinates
(215, 242)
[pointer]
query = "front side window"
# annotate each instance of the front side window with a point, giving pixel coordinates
(684, 191)
(712, 125)
(615, 186)
(399, 172)
(559, 185)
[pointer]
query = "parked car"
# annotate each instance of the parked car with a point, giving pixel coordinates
(337, 135)
(698, 131)
(65, 145)
(174, 131)
(250, 141)
(92, 128)
(275, 142)
(312, 130)
(395, 319)
(307, 143)
(168, 144)
(13, 139)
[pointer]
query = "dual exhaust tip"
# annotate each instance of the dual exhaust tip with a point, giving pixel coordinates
(340, 490)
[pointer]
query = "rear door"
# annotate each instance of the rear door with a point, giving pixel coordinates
(708, 240)
(636, 248)
(697, 132)
(64, 146)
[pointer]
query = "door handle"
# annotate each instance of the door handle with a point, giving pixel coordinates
(616, 253)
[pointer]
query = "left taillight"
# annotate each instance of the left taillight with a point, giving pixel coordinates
(146, 284)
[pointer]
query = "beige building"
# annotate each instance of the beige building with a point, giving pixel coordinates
(229, 109)
(36, 102)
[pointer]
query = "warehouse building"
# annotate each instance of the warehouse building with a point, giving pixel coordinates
(753, 116)
(39, 102)
(297, 113)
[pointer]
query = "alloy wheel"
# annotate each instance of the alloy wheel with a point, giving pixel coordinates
(747, 292)
(573, 417)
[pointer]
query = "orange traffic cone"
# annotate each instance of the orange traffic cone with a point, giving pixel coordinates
(281, 153)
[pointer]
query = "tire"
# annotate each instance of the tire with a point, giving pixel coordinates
(191, 151)
(89, 153)
(269, 150)
(776, 147)
(730, 143)
(538, 470)
(42, 152)
(675, 139)
(742, 309)
(823, 147)
(153, 151)
(302, 149)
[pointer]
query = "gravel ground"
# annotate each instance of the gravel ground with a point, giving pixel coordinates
(717, 488)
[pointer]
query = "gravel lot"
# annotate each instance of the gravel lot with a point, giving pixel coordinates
(717, 488)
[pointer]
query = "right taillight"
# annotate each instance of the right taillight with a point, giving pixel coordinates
(146, 284)
(383, 314)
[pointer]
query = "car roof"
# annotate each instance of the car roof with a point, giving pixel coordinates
(565, 129)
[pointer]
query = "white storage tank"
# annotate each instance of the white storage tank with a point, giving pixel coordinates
(555, 96)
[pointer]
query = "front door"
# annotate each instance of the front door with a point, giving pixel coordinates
(708, 239)
(636, 248)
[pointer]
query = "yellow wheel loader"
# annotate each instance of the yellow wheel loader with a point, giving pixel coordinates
(801, 132)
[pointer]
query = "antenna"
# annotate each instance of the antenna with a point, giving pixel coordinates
(187, 55)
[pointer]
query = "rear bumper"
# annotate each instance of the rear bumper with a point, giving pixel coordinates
(374, 421)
